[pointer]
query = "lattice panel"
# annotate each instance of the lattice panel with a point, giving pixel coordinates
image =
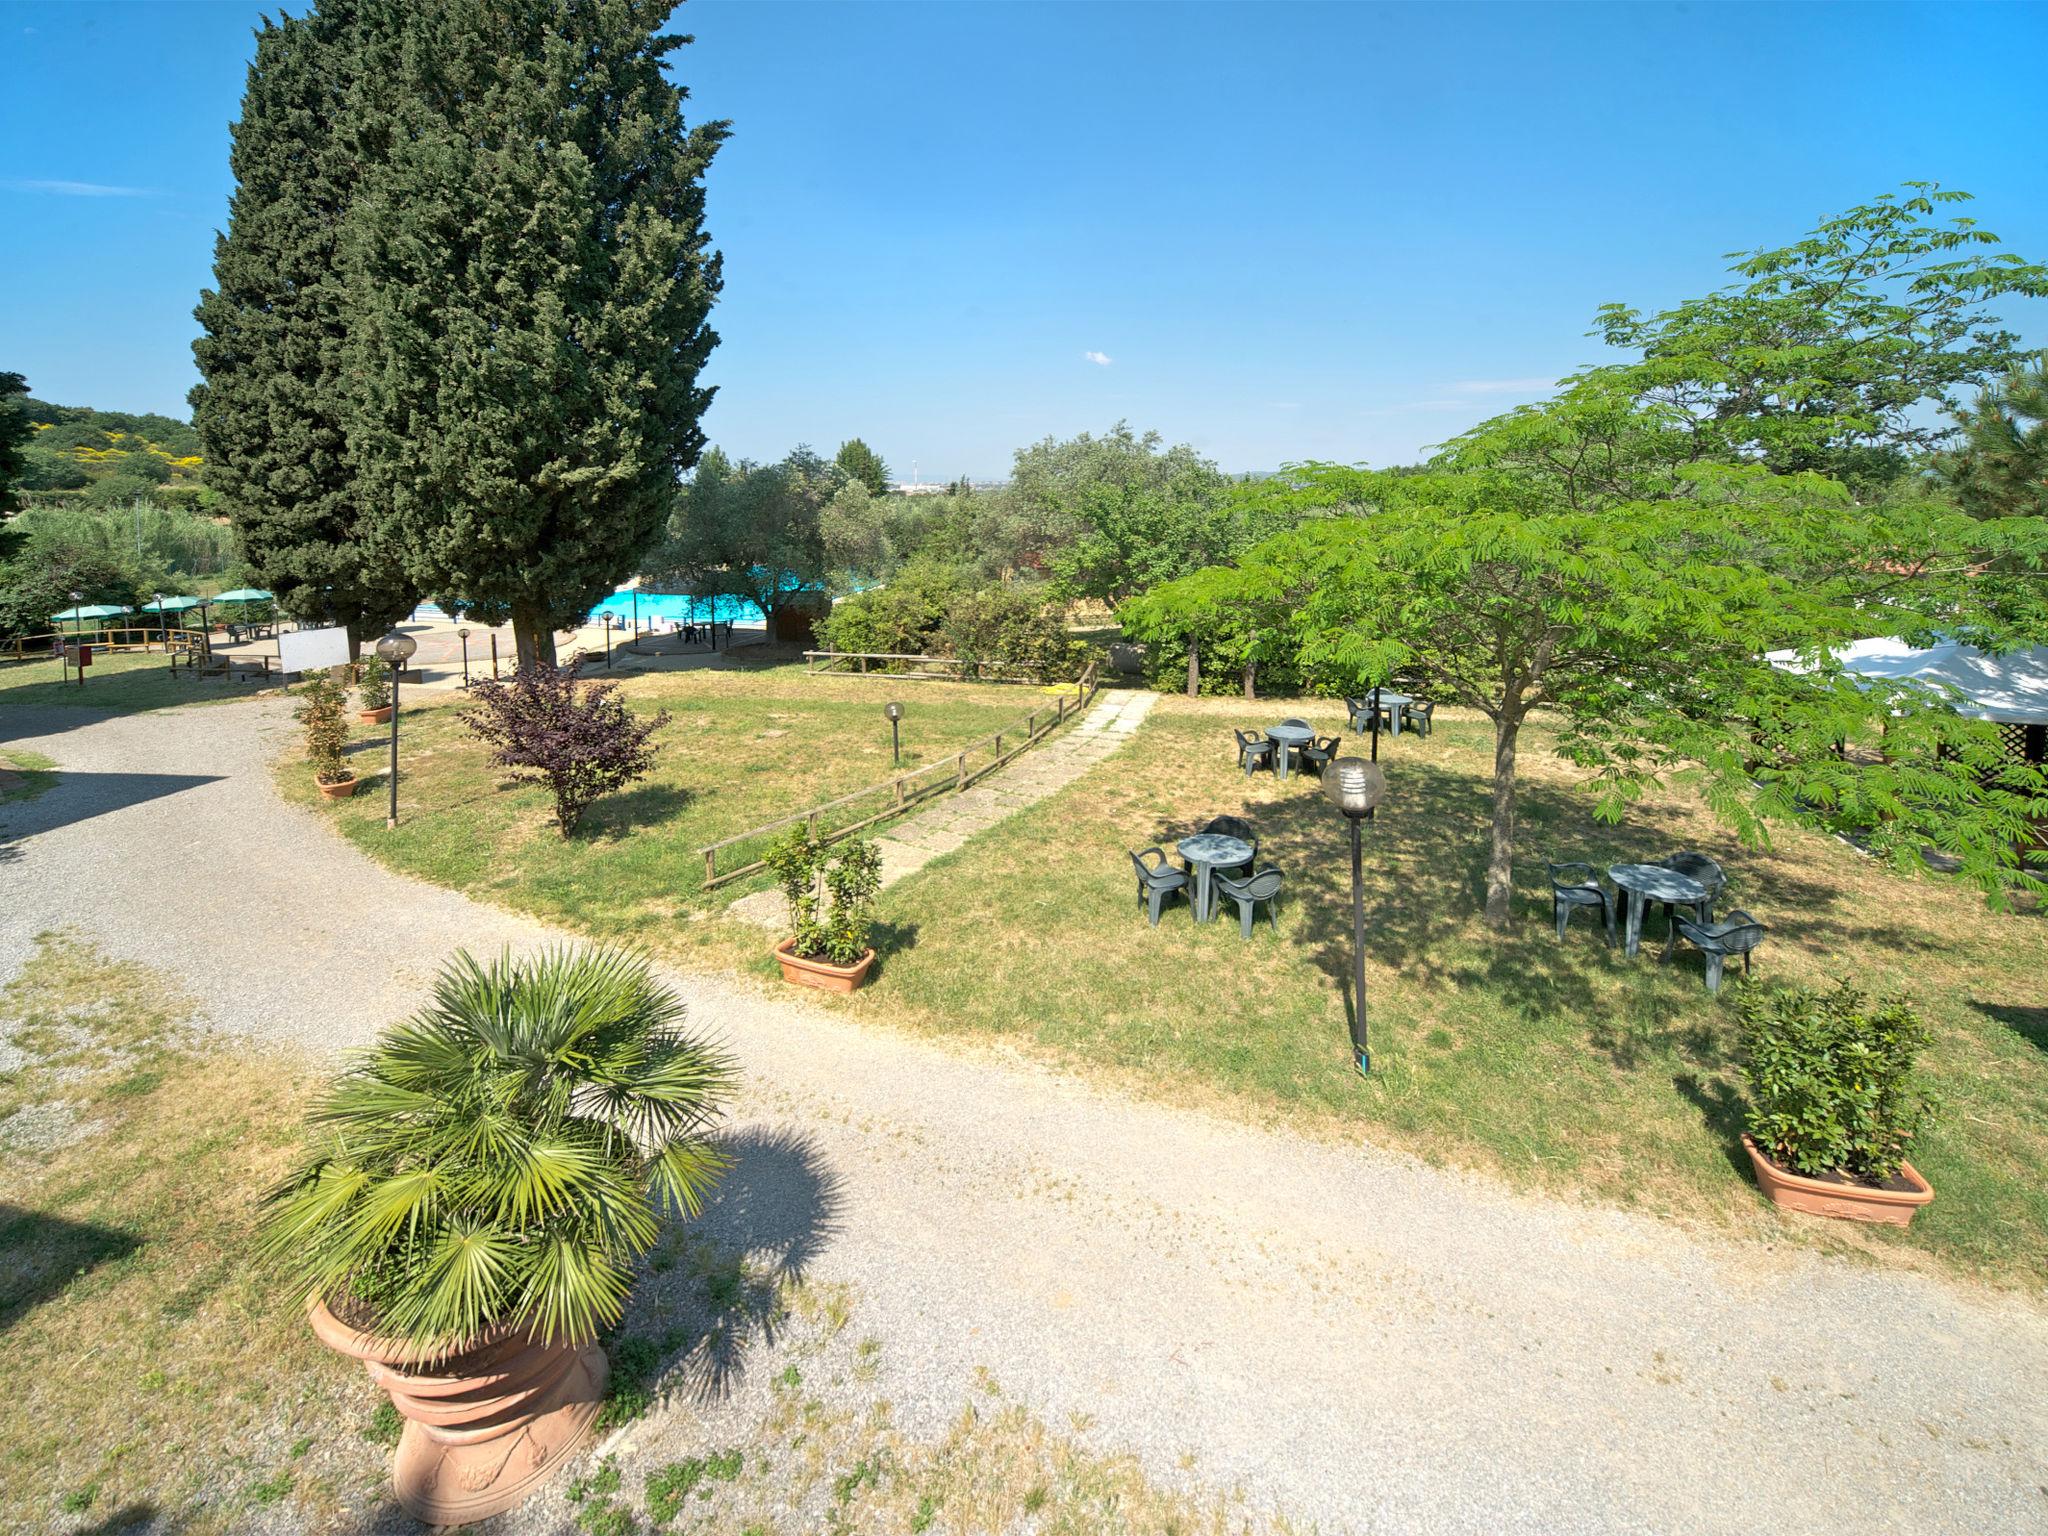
(2025, 743)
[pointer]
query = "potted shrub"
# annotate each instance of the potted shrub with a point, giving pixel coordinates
(482, 1183)
(373, 686)
(322, 702)
(829, 946)
(1834, 1103)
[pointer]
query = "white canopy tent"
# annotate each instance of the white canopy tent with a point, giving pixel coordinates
(2009, 689)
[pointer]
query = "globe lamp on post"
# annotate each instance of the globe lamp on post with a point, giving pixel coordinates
(1356, 788)
(397, 650)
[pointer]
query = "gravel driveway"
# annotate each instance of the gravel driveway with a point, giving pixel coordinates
(1360, 1341)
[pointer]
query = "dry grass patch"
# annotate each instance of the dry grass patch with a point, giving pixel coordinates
(148, 1371)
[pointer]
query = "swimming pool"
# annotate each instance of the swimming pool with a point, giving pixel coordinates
(680, 606)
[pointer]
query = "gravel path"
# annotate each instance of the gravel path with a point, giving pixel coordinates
(1363, 1342)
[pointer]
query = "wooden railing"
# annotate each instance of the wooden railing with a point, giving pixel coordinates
(125, 638)
(864, 808)
(916, 669)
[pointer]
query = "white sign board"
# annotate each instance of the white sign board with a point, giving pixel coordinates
(308, 650)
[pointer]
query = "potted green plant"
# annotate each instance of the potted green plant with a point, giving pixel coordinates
(828, 948)
(322, 701)
(481, 1184)
(1834, 1101)
(373, 686)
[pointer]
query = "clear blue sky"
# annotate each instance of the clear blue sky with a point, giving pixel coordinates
(1318, 231)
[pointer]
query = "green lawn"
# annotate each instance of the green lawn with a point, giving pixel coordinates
(1565, 1065)
(124, 683)
(742, 748)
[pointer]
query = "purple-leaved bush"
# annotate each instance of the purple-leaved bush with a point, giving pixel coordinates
(573, 734)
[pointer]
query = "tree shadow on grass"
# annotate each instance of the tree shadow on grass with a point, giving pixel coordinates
(44, 1254)
(644, 805)
(2030, 1023)
(1425, 870)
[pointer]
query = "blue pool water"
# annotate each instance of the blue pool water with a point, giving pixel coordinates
(654, 605)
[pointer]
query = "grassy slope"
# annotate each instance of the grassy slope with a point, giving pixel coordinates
(743, 748)
(1565, 1065)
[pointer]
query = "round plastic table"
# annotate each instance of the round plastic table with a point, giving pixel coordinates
(1288, 740)
(1653, 882)
(1209, 851)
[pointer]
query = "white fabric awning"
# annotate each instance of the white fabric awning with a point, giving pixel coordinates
(2011, 687)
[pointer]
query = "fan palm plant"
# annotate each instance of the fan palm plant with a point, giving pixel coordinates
(501, 1158)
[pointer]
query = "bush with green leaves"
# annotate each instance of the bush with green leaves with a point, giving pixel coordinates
(800, 861)
(373, 681)
(503, 1158)
(1010, 629)
(1831, 1081)
(322, 705)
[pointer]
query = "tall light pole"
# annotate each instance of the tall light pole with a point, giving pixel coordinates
(1356, 788)
(464, 632)
(396, 649)
(895, 714)
(607, 639)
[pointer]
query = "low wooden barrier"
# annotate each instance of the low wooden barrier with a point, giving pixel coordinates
(864, 808)
(915, 669)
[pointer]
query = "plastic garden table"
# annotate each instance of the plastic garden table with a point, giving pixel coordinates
(1208, 851)
(1653, 882)
(1287, 740)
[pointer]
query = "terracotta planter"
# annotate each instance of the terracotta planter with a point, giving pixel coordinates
(483, 1429)
(822, 974)
(374, 716)
(339, 791)
(1850, 1202)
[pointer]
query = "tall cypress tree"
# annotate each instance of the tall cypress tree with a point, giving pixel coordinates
(532, 286)
(272, 410)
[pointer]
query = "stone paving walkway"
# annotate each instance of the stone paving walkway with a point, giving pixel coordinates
(911, 844)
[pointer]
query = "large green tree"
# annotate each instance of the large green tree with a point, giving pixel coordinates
(1108, 516)
(858, 462)
(752, 531)
(2001, 467)
(1640, 617)
(1839, 352)
(15, 431)
(531, 280)
(272, 411)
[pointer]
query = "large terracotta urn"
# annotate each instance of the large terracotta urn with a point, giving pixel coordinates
(484, 1428)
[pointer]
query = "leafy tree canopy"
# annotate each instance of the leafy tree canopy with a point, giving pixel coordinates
(1837, 353)
(1643, 625)
(533, 281)
(858, 462)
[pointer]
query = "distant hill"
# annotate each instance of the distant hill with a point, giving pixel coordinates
(110, 457)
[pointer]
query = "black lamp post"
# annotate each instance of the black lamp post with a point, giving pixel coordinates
(607, 639)
(1375, 722)
(464, 632)
(1356, 788)
(895, 714)
(396, 649)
